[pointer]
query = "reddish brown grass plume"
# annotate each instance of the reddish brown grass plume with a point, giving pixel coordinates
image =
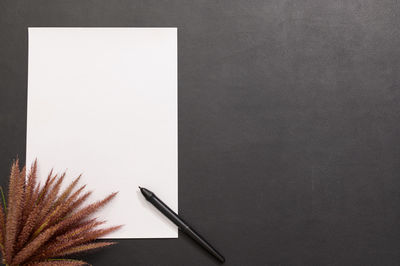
(39, 225)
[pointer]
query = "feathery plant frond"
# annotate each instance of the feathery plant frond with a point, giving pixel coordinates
(38, 224)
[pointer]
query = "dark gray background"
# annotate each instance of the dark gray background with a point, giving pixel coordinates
(289, 124)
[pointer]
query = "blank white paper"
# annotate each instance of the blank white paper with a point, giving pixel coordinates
(103, 102)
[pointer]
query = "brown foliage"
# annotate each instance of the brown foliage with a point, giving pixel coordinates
(38, 223)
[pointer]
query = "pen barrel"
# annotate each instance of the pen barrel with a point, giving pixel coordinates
(202, 242)
(182, 225)
(164, 209)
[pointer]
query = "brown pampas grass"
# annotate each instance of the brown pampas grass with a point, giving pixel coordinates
(40, 224)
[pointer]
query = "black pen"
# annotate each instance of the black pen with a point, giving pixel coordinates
(183, 226)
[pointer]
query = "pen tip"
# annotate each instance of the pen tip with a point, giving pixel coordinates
(140, 187)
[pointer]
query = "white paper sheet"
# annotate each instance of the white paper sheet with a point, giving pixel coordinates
(103, 102)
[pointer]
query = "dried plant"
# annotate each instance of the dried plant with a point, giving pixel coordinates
(38, 224)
